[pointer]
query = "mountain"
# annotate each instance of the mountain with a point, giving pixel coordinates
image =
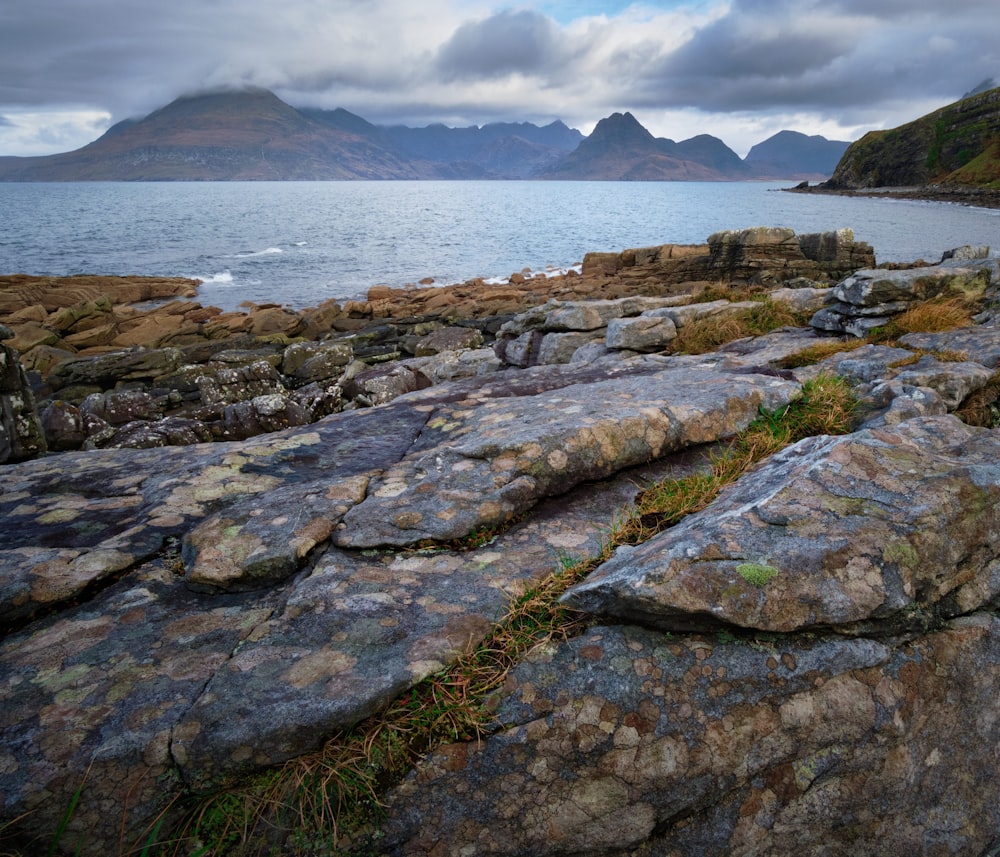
(789, 153)
(251, 134)
(957, 146)
(510, 149)
(244, 135)
(620, 149)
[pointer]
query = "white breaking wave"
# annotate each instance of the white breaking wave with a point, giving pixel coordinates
(222, 278)
(270, 251)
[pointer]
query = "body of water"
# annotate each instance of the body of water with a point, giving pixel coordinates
(300, 243)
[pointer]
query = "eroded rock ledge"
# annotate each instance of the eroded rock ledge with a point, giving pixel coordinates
(809, 665)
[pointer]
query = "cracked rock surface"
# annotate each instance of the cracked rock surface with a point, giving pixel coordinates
(809, 665)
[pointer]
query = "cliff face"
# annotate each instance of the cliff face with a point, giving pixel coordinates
(956, 145)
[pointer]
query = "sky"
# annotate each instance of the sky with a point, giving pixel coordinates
(741, 70)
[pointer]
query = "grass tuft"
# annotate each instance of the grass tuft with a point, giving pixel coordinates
(708, 334)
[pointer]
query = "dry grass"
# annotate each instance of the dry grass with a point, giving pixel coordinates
(981, 408)
(820, 351)
(708, 334)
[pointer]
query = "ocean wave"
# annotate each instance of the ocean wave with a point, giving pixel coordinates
(270, 251)
(222, 278)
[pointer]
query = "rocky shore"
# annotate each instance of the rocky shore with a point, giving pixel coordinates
(228, 541)
(979, 197)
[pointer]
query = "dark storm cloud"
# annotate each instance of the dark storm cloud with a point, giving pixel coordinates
(766, 55)
(510, 42)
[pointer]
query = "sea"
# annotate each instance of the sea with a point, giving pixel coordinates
(301, 243)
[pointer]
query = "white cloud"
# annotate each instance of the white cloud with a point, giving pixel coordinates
(29, 133)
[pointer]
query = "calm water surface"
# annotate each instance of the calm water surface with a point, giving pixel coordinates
(299, 243)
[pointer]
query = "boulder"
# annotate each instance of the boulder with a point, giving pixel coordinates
(448, 339)
(643, 333)
(316, 361)
(227, 385)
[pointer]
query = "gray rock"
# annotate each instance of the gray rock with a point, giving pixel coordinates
(226, 385)
(560, 347)
(309, 362)
(448, 339)
(830, 533)
(21, 433)
(118, 407)
(482, 467)
(644, 333)
(627, 743)
(869, 298)
(453, 365)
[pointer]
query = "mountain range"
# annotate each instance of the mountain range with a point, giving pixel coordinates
(252, 135)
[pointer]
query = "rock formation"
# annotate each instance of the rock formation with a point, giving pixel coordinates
(21, 433)
(808, 665)
(126, 362)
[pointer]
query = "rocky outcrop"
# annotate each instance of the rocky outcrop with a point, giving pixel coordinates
(21, 433)
(936, 149)
(807, 665)
(629, 742)
(870, 298)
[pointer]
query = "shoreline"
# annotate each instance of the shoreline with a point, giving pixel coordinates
(972, 197)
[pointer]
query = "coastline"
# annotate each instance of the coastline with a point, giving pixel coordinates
(974, 197)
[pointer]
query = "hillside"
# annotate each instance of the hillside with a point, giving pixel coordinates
(956, 147)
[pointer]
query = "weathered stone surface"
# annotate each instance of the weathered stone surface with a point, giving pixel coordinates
(106, 370)
(228, 385)
(953, 382)
(383, 384)
(832, 532)
(203, 684)
(628, 743)
(452, 365)
(448, 339)
(316, 361)
(560, 347)
(178, 616)
(484, 466)
(979, 343)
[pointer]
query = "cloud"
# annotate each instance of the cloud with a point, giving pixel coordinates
(731, 65)
(521, 42)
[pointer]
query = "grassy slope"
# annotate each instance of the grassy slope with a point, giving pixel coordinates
(956, 145)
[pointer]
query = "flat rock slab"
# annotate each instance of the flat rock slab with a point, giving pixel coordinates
(152, 685)
(483, 466)
(73, 520)
(851, 532)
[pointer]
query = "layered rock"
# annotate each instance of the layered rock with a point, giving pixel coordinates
(869, 298)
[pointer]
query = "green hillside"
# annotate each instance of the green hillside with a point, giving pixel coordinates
(957, 146)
